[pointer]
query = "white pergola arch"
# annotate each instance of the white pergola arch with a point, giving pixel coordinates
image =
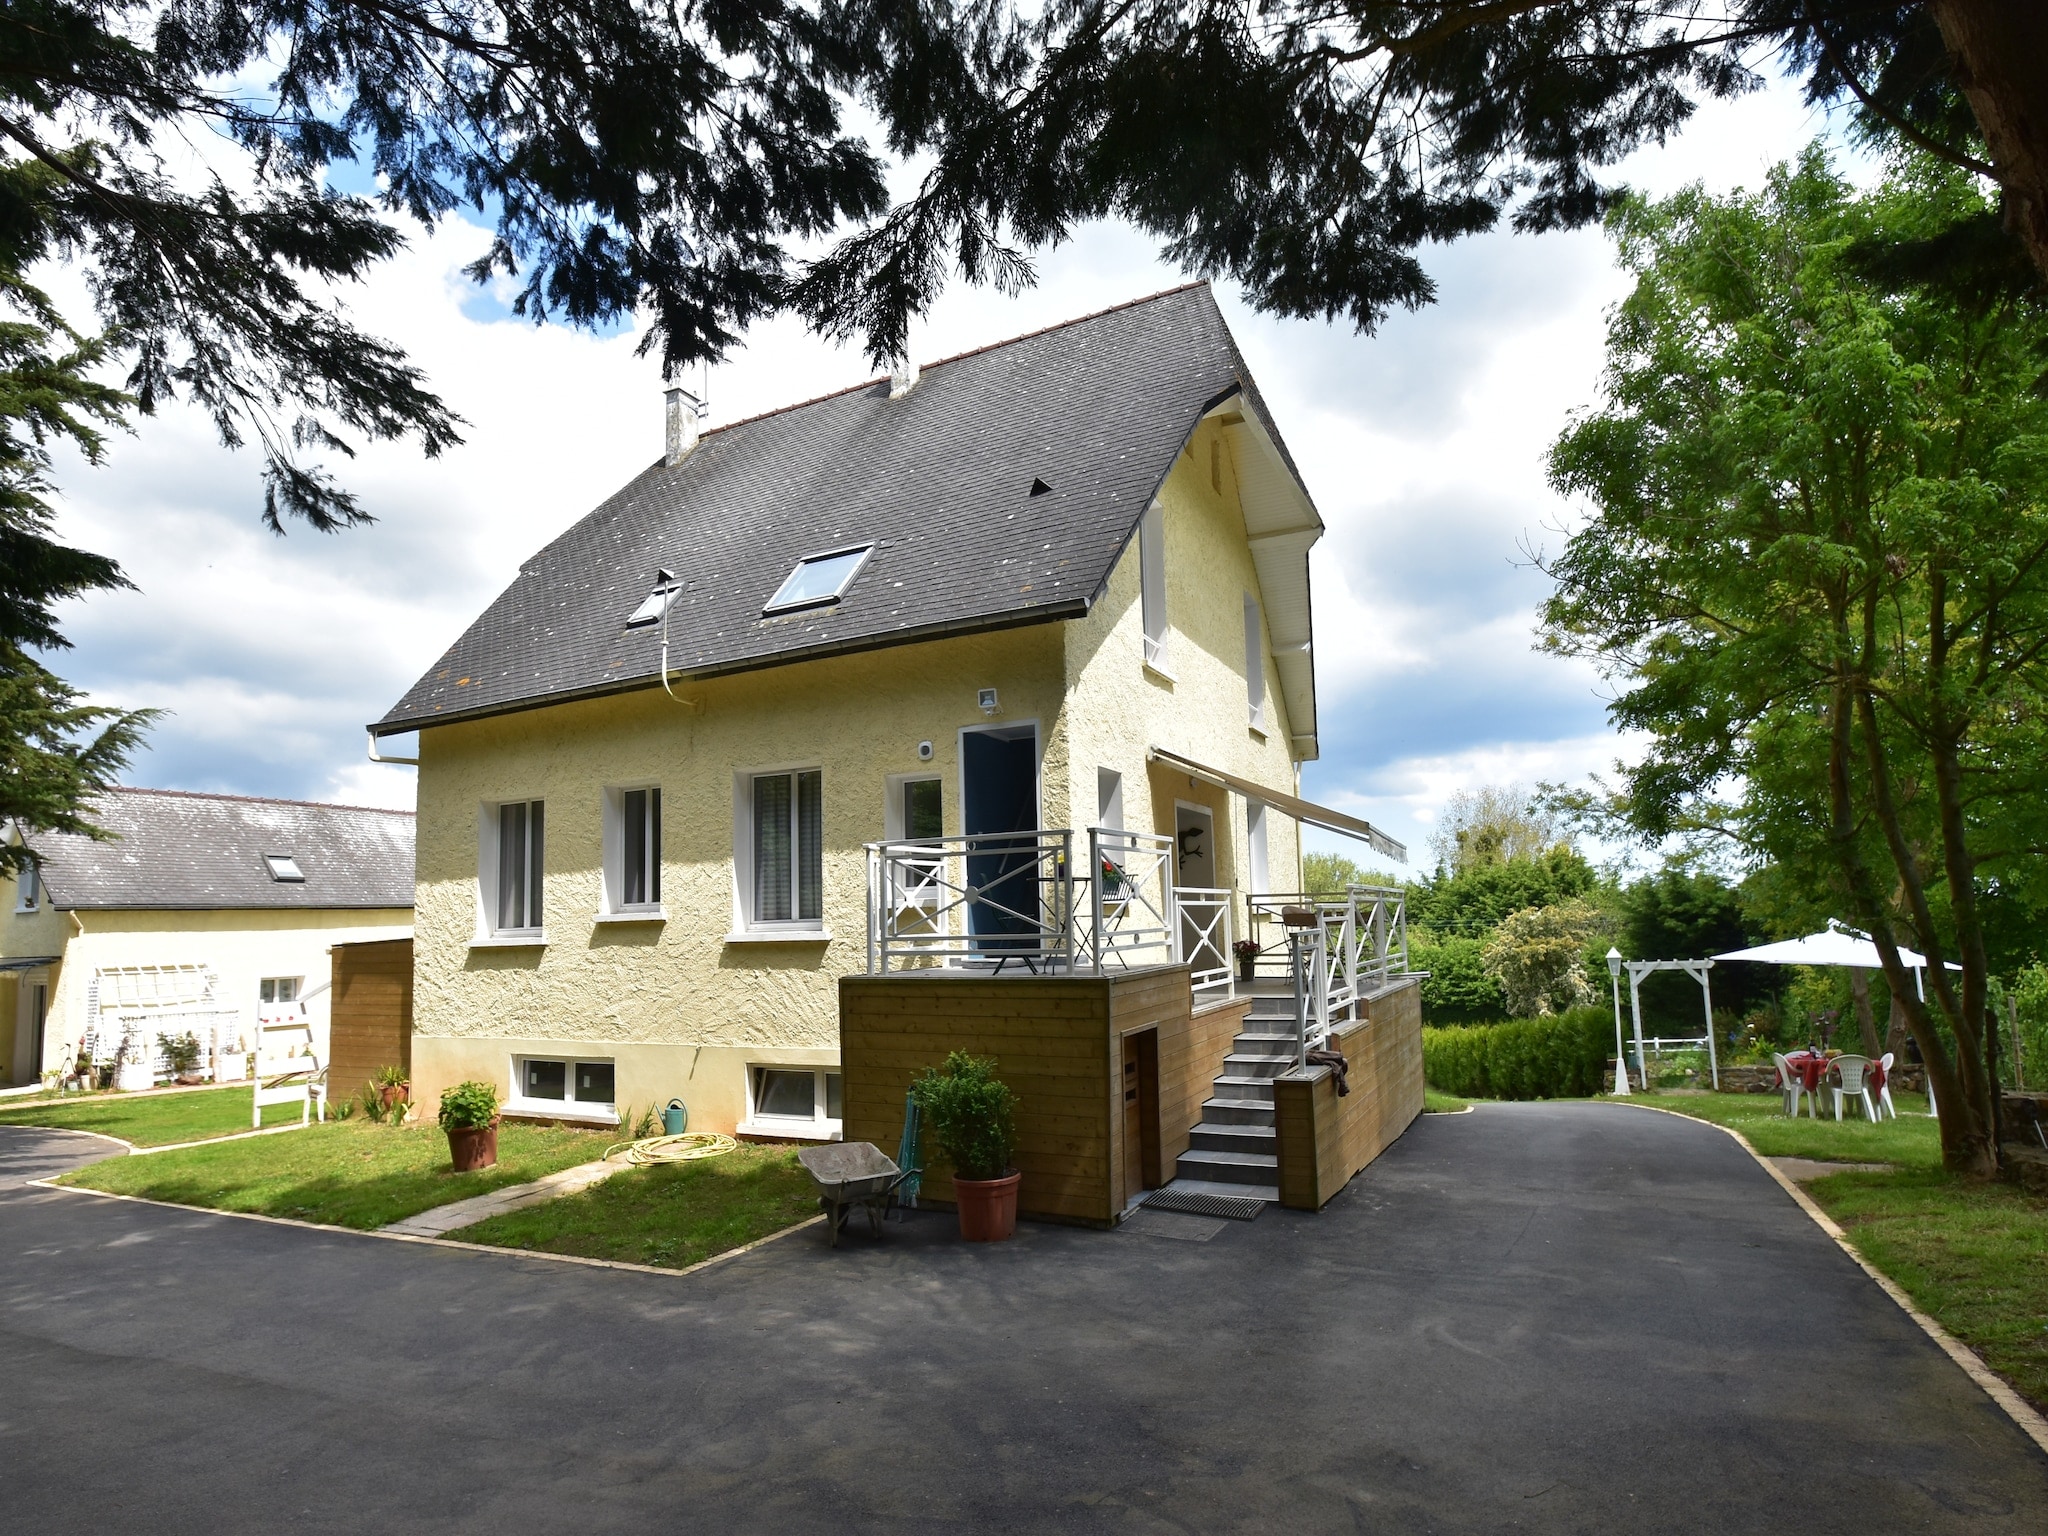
(1697, 970)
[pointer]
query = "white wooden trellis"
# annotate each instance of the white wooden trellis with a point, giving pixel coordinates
(1697, 970)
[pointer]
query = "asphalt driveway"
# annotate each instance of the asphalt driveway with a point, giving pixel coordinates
(1531, 1318)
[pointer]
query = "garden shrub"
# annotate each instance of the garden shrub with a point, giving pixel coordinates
(1561, 1056)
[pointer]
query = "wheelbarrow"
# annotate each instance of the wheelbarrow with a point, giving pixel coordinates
(853, 1175)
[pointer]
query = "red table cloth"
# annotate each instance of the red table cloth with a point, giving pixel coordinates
(1811, 1068)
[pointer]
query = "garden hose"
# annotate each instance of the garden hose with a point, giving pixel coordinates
(687, 1148)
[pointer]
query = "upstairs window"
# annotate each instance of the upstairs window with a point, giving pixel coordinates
(632, 860)
(1152, 583)
(788, 847)
(283, 868)
(1254, 662)
(28, 889)
(818, 580)
(515, 844)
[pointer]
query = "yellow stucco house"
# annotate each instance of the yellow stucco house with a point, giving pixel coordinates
(884, 671)
(202, 915)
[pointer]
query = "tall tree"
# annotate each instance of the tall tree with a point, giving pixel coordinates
(1817, 564)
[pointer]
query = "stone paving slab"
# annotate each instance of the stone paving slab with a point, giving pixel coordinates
(1801, 1170)
(467, 1213)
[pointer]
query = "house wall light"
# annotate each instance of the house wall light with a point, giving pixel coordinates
(924, 751)
(987, 700)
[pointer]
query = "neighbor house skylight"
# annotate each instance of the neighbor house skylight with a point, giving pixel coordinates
(283, 866)
(665, 589)
(819, 579)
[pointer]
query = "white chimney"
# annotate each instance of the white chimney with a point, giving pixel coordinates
(684, 410)
(902, 377)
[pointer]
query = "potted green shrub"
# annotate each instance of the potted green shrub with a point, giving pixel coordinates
(393, 1086)
(969, 1113)
(183, 1052)
(469, 1114)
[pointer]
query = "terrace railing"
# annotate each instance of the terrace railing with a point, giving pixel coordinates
(989, 898)
(1131, 917)
(1206, 933)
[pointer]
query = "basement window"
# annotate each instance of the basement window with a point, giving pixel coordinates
(818, 579)
(802, 1102)
(564, 1089)
(283, 868)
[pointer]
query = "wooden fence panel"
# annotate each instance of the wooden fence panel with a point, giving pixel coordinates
(371, 1013)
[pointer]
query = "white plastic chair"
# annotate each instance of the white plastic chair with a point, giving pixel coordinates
(1849, 1083)
(1884, 1094)
(1793, 1087)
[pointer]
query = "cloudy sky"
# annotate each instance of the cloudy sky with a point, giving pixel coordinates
(1423, 446)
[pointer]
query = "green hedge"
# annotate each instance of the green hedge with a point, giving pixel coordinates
(1561, 1057)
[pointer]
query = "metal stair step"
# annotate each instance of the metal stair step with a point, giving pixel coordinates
(1237, 1112)
(1208, 1137)
(1229, 1167)
(1230, 1087)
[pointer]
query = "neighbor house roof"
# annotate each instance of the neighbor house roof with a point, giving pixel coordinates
(172, 849)
(938, 483)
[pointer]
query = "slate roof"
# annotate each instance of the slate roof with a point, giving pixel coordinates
(191, 851)
(939, 482)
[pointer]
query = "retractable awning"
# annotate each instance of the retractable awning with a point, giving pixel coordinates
(1293, 805)
(26, 962)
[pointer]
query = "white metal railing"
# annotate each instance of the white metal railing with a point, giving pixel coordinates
(985, 898)
(1205, 936)
(1365, 930)
(1131, 915)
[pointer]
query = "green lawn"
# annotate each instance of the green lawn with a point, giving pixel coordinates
(673, 1215)
(349, 1173)
(1974, 1256)
(159, 1120)
(1435, 1103)
(1911, 1141)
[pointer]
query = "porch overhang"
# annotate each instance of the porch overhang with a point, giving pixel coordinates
(27, 962)
(1306, 811)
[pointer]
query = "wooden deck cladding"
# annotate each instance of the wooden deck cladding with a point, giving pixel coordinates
(1058, 1041)
(371, 1019)
(1325, 1140)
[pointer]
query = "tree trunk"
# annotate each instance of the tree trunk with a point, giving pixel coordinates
(1866, 1021)
(1896, 1034)
(1997, 50)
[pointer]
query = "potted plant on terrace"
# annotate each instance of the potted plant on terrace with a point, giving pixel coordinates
(970, 1115)
(469, 1114)
(1247, 953)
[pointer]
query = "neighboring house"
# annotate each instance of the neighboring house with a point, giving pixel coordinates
(1057, 583)
(201, 914)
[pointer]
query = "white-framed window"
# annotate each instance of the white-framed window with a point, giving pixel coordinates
(632, 850)
(916, 809)
(1109, 799)
(28, 889)
(568, 1086)
(511, 858)
(284, 868)
(1255, 662)
(793, 1101)
(783, 842)
(1255, 835)
(1152, 582)
(279, 991)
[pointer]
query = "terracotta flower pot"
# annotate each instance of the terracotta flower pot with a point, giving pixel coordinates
(988, 1207)
(473, 1147)
(394, 1093)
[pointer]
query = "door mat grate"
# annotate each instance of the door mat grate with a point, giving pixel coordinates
(1234, 1207)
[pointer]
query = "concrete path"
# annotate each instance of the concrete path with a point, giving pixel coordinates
(467, 1213)
(1535, 1318)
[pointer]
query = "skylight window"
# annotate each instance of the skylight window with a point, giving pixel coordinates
(665, 589)
(818, 580)
(283, 867)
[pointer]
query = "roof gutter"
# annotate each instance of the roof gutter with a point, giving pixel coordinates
(1068, 608)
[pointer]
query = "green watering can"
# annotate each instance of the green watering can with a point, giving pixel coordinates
(676, 1118)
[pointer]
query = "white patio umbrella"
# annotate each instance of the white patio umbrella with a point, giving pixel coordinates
(1838, 945)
